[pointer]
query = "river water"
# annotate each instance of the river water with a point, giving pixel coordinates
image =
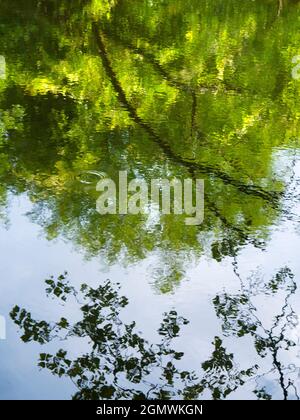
(161, 89)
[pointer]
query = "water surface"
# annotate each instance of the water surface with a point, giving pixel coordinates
(161, 89)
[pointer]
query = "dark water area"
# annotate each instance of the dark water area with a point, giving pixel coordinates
(193, 89)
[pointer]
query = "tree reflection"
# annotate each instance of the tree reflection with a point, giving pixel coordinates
(95, 86)
(240, 317)
(121, 364)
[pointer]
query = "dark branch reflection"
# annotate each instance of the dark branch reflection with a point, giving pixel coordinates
(122, 364)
